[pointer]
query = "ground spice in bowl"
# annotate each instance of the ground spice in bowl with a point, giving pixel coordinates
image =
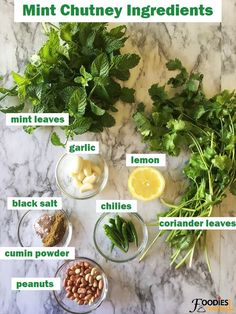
(51, 228)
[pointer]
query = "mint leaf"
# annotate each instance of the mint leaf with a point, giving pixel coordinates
(81, 125)
(55, 140)
(49, 52)
(126, 61)
(13, 109)
(84, 79)
(96, 110)
(122, 64)
(66, 31)
(100, 66)
(127, 94)
(30, 129)
(19, 79)
(22, 83)
(107, 120)
(78, 101)
(122, 75)
(118, 31)
(112, 44)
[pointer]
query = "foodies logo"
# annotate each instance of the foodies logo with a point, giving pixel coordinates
(211, 305)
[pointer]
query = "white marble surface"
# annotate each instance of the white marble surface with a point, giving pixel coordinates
(27, 165)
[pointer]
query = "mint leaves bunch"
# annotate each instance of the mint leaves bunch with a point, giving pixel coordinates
(185, 119)
(76, 71)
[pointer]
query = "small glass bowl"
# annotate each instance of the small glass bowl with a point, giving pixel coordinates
(70, 305)
(27, 235)
(66, 183)
(103, 243)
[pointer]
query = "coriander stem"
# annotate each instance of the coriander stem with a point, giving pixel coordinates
(150, 245)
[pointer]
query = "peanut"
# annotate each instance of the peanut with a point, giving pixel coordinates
(81, 290)
(99, 277)
(100, 284)
(83, 283)
(93, 271)
(88, 297)
(95, 283)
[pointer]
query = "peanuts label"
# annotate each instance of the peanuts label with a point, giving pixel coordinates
(35, 283)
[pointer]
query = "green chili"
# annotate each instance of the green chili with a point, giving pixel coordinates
(134, 232)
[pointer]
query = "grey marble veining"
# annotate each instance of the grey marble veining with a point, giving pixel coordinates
(27, 166)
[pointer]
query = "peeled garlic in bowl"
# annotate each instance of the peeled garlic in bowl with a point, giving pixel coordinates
(85, 174)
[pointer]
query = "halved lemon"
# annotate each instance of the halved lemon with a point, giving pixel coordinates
(146, 183)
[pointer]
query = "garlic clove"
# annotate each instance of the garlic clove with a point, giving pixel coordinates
(87, 168)
(97, 170)
(90, 179)
(81, 175)
(86, 187)
(78, 183)
(77, 164)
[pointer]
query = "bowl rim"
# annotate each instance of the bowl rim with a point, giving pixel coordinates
(26, 213)
(141, 247)
(104, 274)
(100, 188)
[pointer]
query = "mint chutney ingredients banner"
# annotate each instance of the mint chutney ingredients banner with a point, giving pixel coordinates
(124, 11)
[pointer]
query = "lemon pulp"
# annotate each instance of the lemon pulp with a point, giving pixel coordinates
(146, 183)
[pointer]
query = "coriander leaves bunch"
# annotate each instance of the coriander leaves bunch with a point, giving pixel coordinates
(185, 119)
(76, 71)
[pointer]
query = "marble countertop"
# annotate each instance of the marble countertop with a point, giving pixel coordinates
(27, 165)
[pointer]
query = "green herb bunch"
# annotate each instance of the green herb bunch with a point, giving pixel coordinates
(76, 72)
(185, 119)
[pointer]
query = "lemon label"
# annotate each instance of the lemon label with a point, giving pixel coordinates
(154, 160)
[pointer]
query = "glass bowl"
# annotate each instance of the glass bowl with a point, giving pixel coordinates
(70, 305)
(103, 243)
(27, 235)
(66, 183)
